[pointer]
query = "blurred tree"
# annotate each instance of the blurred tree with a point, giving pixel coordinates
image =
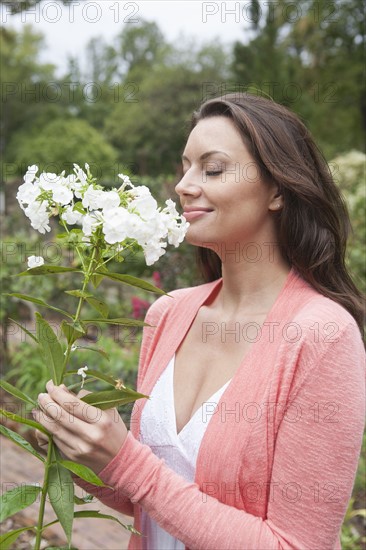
(140, 47)
(349, 170)
(23, 5)
(23, 80)
(61, 143)
(310, 56)
(149, 123)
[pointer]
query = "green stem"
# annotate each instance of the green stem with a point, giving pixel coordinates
(64, 225)
(125, 247)
(44, 495)
(87, 274)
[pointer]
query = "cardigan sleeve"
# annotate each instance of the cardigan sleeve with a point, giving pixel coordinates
(315, 462)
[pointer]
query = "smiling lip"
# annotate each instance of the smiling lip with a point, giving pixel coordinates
(193, 213)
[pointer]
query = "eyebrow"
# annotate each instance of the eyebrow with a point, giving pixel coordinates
(204, 156)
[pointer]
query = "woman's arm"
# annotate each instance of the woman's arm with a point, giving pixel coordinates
(313, 472)
(314, 466)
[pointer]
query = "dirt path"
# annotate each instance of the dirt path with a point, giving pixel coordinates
(17, 466)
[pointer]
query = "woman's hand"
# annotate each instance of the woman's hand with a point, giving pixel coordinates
(82, 432)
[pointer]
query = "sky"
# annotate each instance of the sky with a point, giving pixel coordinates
(68, 29)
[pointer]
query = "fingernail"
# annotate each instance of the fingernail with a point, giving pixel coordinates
(41, 396)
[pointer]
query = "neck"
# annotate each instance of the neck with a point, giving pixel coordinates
(251, 287)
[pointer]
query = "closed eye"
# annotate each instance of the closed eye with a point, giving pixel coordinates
(213, 173)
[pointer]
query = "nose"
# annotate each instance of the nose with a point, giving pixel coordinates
(188, 186)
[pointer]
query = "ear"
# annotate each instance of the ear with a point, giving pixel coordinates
(276, 201)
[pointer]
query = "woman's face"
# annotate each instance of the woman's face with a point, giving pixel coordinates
(222, 192)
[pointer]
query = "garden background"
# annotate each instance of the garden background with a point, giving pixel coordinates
(127, 110)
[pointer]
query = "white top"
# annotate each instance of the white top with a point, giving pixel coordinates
(179, 451)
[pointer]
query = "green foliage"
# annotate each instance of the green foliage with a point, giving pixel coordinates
(316, 50)
(27, 368)
(60, 143)
(61, 494)
(16, 499)
(21, 73)
(20, 441)
(23, 5)
(349, 173)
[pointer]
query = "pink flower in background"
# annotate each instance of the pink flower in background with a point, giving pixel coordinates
(139, 307)
(157, 279)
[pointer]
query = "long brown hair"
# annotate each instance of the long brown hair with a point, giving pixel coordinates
(313, 225)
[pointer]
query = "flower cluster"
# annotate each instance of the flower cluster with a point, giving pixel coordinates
(115, 215)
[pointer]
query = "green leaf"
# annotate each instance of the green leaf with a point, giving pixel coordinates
(48, 270)
(96, 280)
(19, 440)
(25, 421)
(96, 374)
(7, 539)
(112, 398)
(82, 471)
(132, 281)
(78, 293)
(97, 514)
(24, 329)
(118, 321)
(84, 500)
(98, 305)
(61, 495)
(37, 301)
(17, 499)
(78, 207)
(72, 331)
(51, 349)
(16, 393)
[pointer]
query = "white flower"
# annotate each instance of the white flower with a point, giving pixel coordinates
(62, 194)
(116, 225)
(108, 200)
(145, 205)
(80, 174)
(140, 191)
(75, 185)
(152, 252)
(176, 231)
(73, 348)
(31, 173)
(92, 197)
(126, 181)
(38, 215)
(49, 181)
(81, 372)
(90, 223)
(27, 193)
(35, 261)
(72, 216)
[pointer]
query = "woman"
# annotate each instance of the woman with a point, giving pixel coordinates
(252, 434)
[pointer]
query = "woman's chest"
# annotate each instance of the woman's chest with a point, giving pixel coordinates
(208, 358)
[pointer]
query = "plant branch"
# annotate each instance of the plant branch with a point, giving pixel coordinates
(44, 494)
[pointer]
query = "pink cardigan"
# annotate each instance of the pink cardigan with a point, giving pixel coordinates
(277, 462)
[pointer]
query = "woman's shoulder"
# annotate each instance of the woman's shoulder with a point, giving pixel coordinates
(322, 325)
(321, 309)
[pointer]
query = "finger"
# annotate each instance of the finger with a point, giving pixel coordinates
(82, 393)
(72, 404)
(56, 419)
(41, 438)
